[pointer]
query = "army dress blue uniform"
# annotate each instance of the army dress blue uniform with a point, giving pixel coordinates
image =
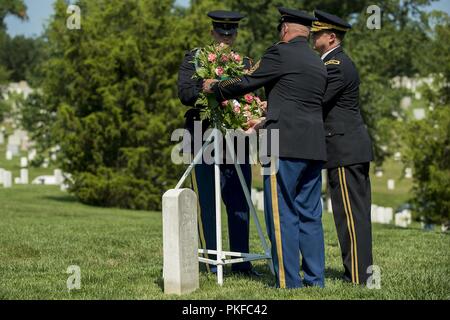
(349, 152)
(226, 23)
(294, 79)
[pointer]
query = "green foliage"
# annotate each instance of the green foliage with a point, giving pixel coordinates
(14, 7)
(429, 139)
(112, 86)
(21, 56)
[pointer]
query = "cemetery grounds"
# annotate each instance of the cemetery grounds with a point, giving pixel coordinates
(43, 231)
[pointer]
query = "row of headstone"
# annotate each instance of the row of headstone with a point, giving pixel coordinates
(379, 174)
(381, 214)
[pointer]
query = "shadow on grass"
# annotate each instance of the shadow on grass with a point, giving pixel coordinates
(62, 198)
(333, 274)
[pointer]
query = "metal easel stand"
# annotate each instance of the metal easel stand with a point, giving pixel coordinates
(221, 256)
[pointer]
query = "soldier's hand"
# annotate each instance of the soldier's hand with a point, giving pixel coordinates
(254, 125)
(208, 84)
(263, 106)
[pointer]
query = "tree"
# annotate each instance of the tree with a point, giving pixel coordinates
(21, 56)
(429, 139)
(112, 88)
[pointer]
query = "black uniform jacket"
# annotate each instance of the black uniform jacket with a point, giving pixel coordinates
(347, 139)
(295, 79)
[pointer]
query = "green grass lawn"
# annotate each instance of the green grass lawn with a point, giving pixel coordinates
(43, 231)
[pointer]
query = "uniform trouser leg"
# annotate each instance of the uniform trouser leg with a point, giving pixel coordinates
(237, 210)
(293, 219)
(234, 199)
(351, 201)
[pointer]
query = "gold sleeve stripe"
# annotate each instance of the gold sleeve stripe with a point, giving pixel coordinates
(255, 67)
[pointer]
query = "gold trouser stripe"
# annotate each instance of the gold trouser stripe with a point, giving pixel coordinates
(348, 224)
(352, 223)
(199, 217)
(277, 227)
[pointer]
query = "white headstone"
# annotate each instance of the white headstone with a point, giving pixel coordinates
(329, 205)
(408, 173)
(13, 148)
(388, 215)
(59, 179)
(7, 179)
(23, 162)
(391, 184)
(2, 172)
(32, 154)
(17, 180)
(397, 156)
(260, 201)
(9, 155)
(419, 113)
(180, 241)
(45, 163)
(378, 173)
(24, 176)
(403, 219)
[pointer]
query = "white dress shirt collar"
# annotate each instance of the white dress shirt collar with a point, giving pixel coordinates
(328, 52)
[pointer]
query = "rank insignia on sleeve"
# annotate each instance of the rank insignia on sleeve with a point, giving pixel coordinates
(255, 67)
(332, 62)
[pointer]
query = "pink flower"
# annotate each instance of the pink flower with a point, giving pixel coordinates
(225, 58)
(248, 98)
(219, 71)
(224, 103)
(247, 107)
(258, 100)
(236, 57)
(212, 57)
(237, 109)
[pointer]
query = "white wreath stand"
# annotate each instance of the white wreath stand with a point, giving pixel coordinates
(227, 257)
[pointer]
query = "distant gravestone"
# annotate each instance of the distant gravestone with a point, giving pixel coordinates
(419, 113)
(2, 172)
(32, 154)
(397, 156)
(408, 173)
(9, 155)
(59, 179)
(180, 241)
(7, 179)
(403, 219)
(23, 162)
(260, 201)
(13, 148)
(378, 172)
(24, 176)
(391, 184)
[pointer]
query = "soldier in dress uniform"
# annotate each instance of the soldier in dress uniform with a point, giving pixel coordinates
(294, 78)
(349, 149)
(225, 25)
